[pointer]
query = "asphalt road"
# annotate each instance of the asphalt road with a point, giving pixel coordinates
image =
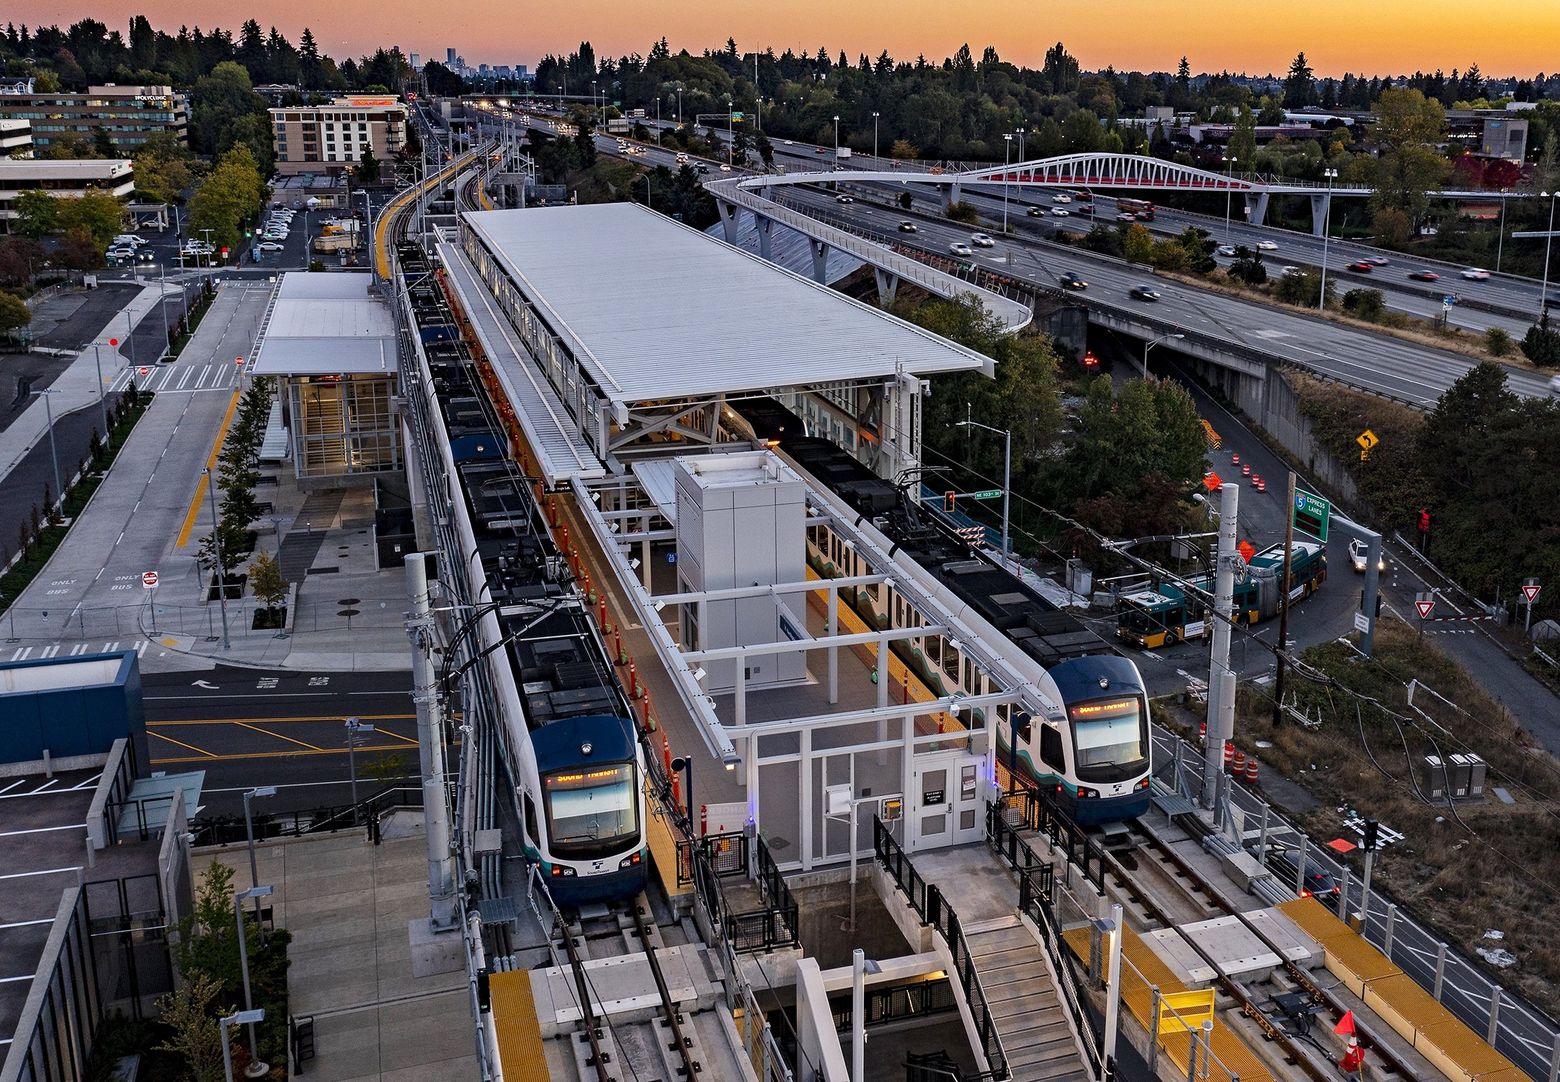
(246, 727)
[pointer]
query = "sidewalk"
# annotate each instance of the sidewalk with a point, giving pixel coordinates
(347, 904)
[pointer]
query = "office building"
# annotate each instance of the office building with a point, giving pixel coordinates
(126, 115)
(115, 176)
(16, 139)
(329, 138)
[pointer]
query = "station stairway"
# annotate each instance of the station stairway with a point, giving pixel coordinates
(1025, 1006)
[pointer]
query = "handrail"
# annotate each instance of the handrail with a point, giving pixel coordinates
(227, 829)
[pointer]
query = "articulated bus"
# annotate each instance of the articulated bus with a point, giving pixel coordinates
(1141, 209)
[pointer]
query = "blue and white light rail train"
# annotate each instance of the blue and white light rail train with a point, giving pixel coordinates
(1094, 756)
(573, 754)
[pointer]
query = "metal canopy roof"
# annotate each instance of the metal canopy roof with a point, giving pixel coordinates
(326, 325)
(653, 309)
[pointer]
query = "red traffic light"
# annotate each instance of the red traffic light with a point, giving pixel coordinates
(1090, 360)
(1424, 520)
(224, 249)
(950, 502)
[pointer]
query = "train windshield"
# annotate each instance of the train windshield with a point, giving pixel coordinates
(591, 812)
(1111, 738)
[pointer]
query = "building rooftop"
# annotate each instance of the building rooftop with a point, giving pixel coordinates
(85, 169)
(653, 309)
(326, 324)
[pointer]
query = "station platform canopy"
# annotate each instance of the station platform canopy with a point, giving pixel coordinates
(322, 324)
(653, 310)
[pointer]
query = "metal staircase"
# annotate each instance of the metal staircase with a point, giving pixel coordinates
(1023, 1002)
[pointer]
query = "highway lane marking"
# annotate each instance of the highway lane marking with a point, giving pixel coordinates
(269, 721)
(204, 754)
(200, 487)
(266, 732)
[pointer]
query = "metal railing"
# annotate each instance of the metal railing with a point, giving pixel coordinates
(896, 1003)
(770, 926)
(1030, 808)
(230, 829)
(934, 910)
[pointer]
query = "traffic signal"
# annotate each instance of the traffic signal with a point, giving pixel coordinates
(1090, 361)
(1424, 520)
(1372, 829)
(950, 502)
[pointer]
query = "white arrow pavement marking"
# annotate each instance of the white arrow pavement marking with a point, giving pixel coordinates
(203, 684)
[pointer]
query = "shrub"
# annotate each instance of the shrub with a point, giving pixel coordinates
(1541, 344)
(1497, 341)
(963, 212)
(1367, 304)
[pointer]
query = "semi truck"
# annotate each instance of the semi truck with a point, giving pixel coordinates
(842, 154)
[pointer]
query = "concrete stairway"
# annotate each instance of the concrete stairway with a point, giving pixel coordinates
(1024, 1003)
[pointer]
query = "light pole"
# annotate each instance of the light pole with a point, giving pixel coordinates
(216, 548)
(875, 134)
(1021, 144)
(54, 454)
(1543, 291)
(162, 303)
(1007, 474)
(836, 140)
(860, 966)
(260, 791)
(97, 362)
(257, 1068)
(685, 764)
(1151, 345)
(1007, 153)
(658, 121)
(731, 135)
(1500, 231)
(229, 1020)
(679, 106)
(355, 728)
(1229, 173)
(1321, 295)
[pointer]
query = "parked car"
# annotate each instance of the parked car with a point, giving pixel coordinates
(1477, 274)
(271, 246)
(981, 240)
(958, 247)
(1143, 293)
(1424, 276)
(909, 227)
(1359, 554)
(1360, 266)
(1267, 245)
(1069, 280)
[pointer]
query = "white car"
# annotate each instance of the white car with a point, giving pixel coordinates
(1061, 199)
(1359, 553)
(958, 247)
(271, 246)
(1478, 274)
(790, 143)
(1058, 212)
(1226, 249)
(1267, 246)
(725, 169)
(981, 240)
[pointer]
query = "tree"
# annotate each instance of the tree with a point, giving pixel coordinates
(14, 312)
(902, 150)
(98, 213)
(1367, 304)
(1300, 84)
(266, 581)
(1242, 148)
(37, 214)
(1541, 344)
(228, 196)
(962, 212)
(194, 1021)
(1248, 266)
(1137, 246)
(1198, 246)
(368, 167)
(217, 100)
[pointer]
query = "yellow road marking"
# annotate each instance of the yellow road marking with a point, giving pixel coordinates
(200, 487)
(208, 757)
(204, 754)
(269, 721)
(410, 740)
(279, 736)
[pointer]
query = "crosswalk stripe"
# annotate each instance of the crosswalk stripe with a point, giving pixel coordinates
(79, 649)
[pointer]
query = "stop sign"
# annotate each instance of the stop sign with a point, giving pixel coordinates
(143, 370)
(149, 579)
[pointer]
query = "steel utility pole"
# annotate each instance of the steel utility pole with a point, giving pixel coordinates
(216, 548)
(1283, 605)
(1221, 679)
(443, 912)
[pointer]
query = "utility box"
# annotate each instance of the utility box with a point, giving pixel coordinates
(1477, 768)
(741, 522)
(1458, 774)
(1432, 777)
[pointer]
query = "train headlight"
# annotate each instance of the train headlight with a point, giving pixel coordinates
(630, 861)
(563, 871)
(1084, 794)
(1145, 783)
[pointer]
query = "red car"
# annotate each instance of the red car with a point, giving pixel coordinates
(1359, 266)
(1424, 276)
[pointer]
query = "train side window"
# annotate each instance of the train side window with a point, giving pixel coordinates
(1051, 748)
(530, 820)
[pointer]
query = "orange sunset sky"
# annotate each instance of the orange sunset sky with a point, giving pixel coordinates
(1503, 37)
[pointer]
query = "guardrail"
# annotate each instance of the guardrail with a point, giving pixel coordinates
(934, 910)
(230, 829)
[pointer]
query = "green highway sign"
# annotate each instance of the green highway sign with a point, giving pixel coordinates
(1311, 514)
(986, 494)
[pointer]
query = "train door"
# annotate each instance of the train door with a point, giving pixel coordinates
(945, 800)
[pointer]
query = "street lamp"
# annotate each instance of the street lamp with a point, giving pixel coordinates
(875, 134)
(731, 135)
(257, 1068)
(54, 454)
(860, 966)
(1543, 292)
(97, 362)
(1151, 345)
(836, 140)
(1021, 144)
(241, 1018)
(1321, 296)
(1007, 150)
(685, 764)
(355, 728)
(1007, 474)
(216, 549)
(261, 792)
(1229, 173)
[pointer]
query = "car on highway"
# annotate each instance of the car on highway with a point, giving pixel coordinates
(1069, 280)
(981, 240)
(1124, 217)
(790, 143)
(1143, 293)
(725, 168)
(958, 247)
(1290, 270)
(1359, 555)
(271, 246)
(1225, 249)
(1036, 212)
(1477, 274)
(817, 150)
(909, 227)
(1267, 245)
(1377, 260)
(1554, 385)
(1061, 199)
(1424, 276)
(1059, 212)
(1360, 266)
(1319, 882)
(843, 199)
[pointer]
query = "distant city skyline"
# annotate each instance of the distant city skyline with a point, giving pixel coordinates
(1511, 38)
